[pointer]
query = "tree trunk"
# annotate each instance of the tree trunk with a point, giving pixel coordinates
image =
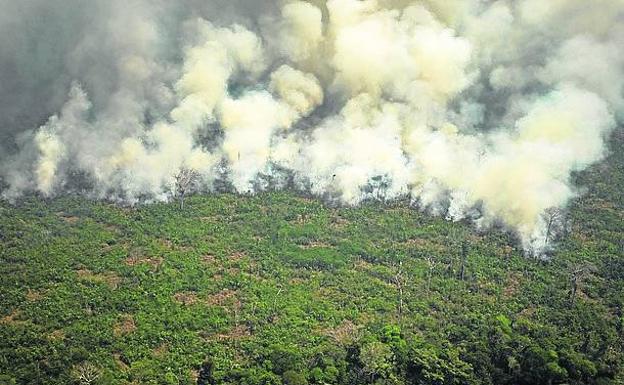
(429, 278)
(464, 256)
(547, 236)
(573, 292)
(400, 305)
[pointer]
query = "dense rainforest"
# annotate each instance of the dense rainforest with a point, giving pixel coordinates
(278, 288)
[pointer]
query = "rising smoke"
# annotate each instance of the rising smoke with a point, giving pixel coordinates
(475, 109)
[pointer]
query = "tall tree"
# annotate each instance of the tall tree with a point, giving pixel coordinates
(185, 181)
(578, 274)
(554, 218)
(464, 258)
(431, 264)
(399, 282)
(86, 373)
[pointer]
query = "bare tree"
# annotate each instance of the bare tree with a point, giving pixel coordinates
(399, 282)
(554, 218)
(431, 263)
(578, 274)
(185, 181)
(86, 373)
(464, 258)
(274, 310)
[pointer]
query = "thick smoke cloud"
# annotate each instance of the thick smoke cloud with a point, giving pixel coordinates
(474, 109)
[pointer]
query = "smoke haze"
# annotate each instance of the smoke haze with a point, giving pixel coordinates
(474, 109)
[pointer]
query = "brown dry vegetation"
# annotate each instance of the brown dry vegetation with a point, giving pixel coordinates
(13, 318)
(34, 295)
(68, 218)
(236, 333)
(512, 284)
(57, 335)
(108, 278)
(221, 298)
(345, 333)
(314, 245)
(153, 262)
(124, 326)
(186, 298)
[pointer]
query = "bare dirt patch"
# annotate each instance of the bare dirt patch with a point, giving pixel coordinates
(507, 251)
(528, 312)
(113, 228)
(237, 256)
(208, 259)
(70, 219)
(344, 333)
(124, 326)
(302, 219)
(135, 260)
(169, 244)
(416, 242)
(108, 278)
(339, 222)
(57, 335)
(186, 298)
(512, 285)
(225, 298)
(161, 350)
(236, 333)
(323, 292)
(13, 318)
(315, 245)
(361, 264)
(221, 297)
(34, 295)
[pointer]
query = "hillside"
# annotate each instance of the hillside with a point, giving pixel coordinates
(280, 289)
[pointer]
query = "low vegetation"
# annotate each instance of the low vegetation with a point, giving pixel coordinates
(280, 289)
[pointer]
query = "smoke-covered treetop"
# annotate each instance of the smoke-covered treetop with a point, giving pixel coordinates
(473, 109)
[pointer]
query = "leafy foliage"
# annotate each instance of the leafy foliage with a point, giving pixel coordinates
(279, 289)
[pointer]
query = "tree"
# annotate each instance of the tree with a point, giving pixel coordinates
(554, 219)
(464, 257)
(399, 282)
(291, 377)
(578, 274)
(431, 264)
(86, 373)
(434, 365)
(377, 360)
(185, 181)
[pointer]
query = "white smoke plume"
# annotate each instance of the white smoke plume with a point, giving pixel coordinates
(474, 109)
